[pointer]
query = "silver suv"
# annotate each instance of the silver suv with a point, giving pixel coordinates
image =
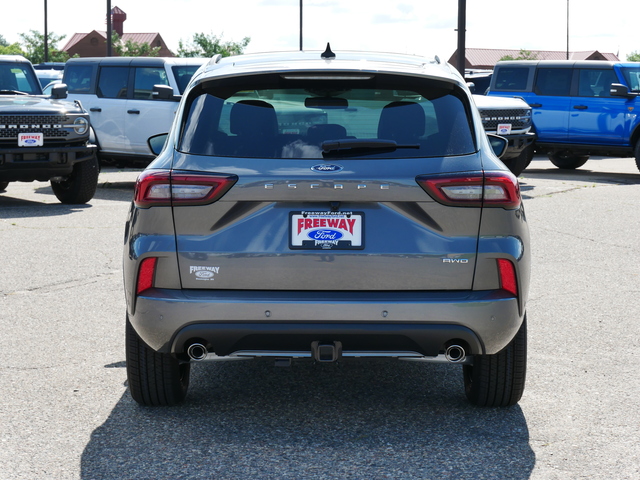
(324, 206)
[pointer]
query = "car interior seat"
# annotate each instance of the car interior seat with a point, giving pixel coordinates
(316, 134)
(403, 122)
(255, 126)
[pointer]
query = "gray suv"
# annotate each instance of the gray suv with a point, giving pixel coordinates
(44, 138)
(324, 206)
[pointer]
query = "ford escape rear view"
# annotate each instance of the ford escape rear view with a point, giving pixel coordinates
(323, 207)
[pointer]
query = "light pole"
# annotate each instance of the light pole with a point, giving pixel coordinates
(567, 29)
(300, 25)
(462, 25)
(108, 28)
(46, 34)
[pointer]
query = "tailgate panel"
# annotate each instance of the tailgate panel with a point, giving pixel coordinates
(409, 242)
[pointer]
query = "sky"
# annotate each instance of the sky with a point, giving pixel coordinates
(422, 27)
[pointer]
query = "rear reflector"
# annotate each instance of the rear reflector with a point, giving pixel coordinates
(163, 187)
(475, 189)
(508, 280)
(146, 274)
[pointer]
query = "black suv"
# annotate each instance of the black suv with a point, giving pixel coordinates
(43, 138)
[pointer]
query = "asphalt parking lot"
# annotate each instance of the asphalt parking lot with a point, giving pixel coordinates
(66, 414)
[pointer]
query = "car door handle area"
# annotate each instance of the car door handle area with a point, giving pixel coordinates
(135, 111)
(580, 107)
(95, 109)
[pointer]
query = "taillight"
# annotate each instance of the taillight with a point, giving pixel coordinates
(163, 187)
(146, 273)
(491, 189)
(508, 279)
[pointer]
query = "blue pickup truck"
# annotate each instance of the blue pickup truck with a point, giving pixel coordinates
(580, 108)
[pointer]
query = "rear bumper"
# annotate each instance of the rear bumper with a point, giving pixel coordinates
(42, 163)
(230, 321)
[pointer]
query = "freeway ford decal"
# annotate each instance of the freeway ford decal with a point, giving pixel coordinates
(326, 230)
(30, 139)
(202, 272)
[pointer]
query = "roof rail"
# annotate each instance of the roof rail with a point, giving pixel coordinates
(215, 59)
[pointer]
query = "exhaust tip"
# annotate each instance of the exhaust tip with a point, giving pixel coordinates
(197, 352)
(455, 354)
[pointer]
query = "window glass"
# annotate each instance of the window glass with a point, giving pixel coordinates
(112, 82)
(554, 81)
(632, 77)
(596, 83)
(183, 74)
(512, 78)
(145, 79)
(17, 78)
(294, 123)
(78, 78)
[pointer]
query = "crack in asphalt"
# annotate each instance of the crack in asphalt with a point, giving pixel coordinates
(77, 282)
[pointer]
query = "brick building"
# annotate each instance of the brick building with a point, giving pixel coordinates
(94, 43)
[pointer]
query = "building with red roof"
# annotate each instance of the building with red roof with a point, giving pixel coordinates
(94, 43)
(486, 58)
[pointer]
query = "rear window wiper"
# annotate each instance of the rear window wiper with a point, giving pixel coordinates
(360, 146)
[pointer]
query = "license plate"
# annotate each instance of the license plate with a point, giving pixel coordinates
(326, 230)
(30, 139)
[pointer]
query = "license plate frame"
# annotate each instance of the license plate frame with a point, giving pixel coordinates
(326, 230)
(504, 129)
(31, 139)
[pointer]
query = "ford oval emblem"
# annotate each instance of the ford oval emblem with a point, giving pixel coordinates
(324, 234)
(204, 274)
(326, 168)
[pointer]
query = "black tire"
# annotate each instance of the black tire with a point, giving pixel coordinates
(3, 186)
(522, 161)
(568, 161)
(80, 186)
(498, 380)
(155, 379)
(637, 154)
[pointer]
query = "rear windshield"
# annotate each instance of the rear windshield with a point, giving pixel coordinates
(313, 118)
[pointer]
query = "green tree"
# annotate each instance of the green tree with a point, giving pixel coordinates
(33, 43)
(523, 55)
(9, 49)
(204, 45)
(13, 49)
(634, 56)
(132, 49)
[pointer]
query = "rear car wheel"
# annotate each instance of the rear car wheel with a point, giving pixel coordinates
(637, 154)
(567, 161)
(155, 379)
(498, 380)
(80, 186)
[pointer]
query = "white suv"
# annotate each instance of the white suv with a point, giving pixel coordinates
(509, 117)
(119, 94)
